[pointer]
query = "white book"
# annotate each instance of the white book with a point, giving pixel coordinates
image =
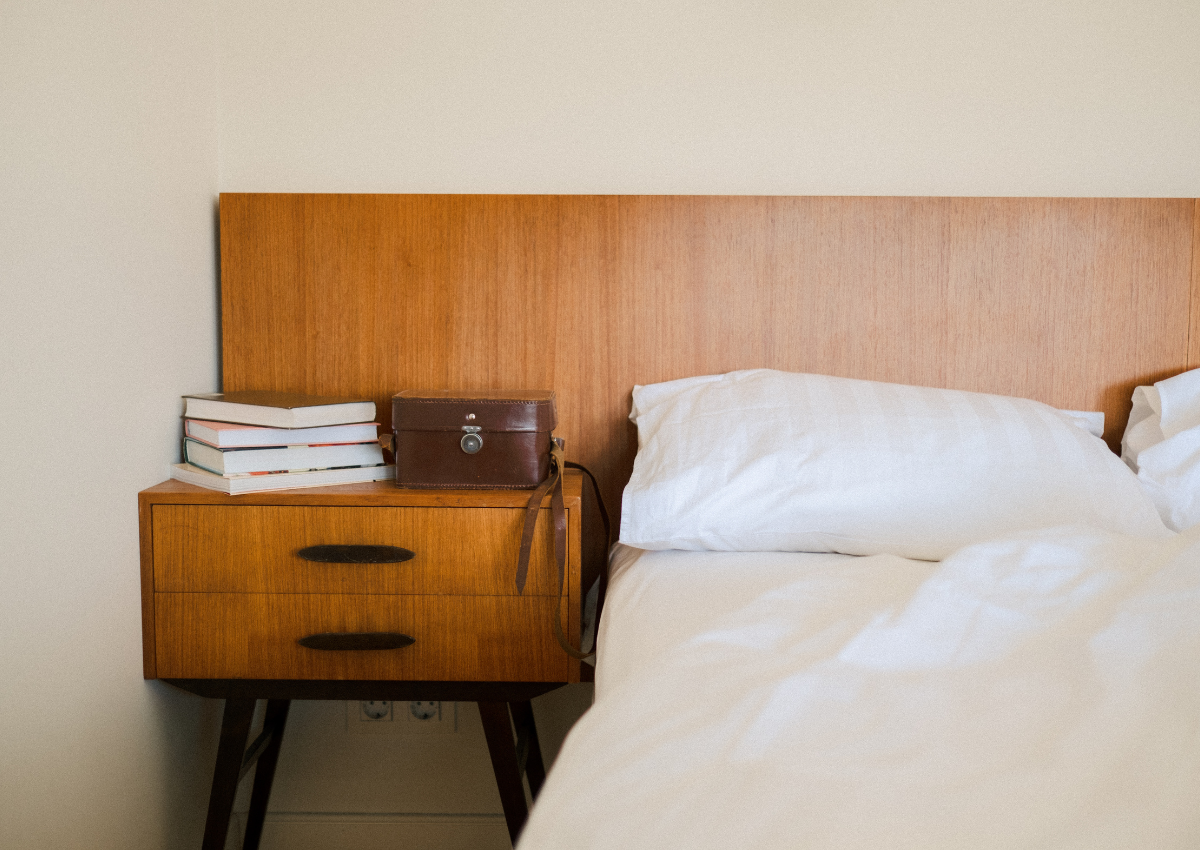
(229, 435)
(277, 410)
(235, 484)
(280, 458)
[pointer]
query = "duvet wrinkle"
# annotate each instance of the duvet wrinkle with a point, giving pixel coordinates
(1066, 714)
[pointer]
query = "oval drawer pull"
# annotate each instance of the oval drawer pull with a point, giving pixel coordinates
(343, 641)
(338, 554)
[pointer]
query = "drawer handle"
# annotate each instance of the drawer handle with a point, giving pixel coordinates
(335, 554)
(344, 641)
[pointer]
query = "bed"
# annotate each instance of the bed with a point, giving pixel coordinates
(695, 739)
(1027, 677)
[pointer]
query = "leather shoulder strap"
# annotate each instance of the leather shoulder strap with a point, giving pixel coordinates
(554, 479)
(553, 485)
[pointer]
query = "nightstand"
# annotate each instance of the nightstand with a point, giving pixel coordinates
(365, 591)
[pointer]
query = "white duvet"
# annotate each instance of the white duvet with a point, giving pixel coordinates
(1039, 691)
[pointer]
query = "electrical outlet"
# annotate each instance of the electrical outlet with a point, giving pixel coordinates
(425, 710)
(425, 717)
(372, 717)
(417, 717)
(379, 710)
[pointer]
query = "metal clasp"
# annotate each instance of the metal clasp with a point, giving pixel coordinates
(471, 442)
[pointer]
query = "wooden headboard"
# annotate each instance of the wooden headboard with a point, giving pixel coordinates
(1069, 301)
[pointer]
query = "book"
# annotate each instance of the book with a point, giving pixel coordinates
(277, 410)
(230, 435)
(280, 458)
(257, 483)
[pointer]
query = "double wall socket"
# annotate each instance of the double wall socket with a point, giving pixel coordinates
(385, 717)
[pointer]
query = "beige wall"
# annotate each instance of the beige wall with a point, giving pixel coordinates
(926, 97)
(108, 146)
(120, 120)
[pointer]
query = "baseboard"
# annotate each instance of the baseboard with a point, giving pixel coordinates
(341, 831)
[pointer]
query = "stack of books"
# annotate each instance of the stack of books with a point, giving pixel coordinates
(250, 441)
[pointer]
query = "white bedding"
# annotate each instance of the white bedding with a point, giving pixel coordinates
(1039, 691)
(765, 461)
(1162, 445)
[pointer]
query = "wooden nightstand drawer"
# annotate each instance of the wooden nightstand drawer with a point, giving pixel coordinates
(457, 638)
(253, 549)
(226, 597)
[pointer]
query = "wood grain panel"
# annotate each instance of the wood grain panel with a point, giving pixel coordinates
(464, 551)
(213, 540)
(458, 638)
(146, 547)
(366, 494)
(383, 293)
(1068, 301)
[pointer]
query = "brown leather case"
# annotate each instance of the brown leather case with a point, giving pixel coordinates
(473, 440)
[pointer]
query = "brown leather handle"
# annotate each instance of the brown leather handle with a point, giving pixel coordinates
(353, 641)
(355, 554)
(553, 485)
(553, 480)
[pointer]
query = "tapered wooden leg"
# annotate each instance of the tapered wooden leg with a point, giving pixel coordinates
(276, 719)
(235, 728)
(498, 729)
(529, 750)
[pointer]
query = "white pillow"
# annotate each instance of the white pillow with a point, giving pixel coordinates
(1162, 445)
(765, 460)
